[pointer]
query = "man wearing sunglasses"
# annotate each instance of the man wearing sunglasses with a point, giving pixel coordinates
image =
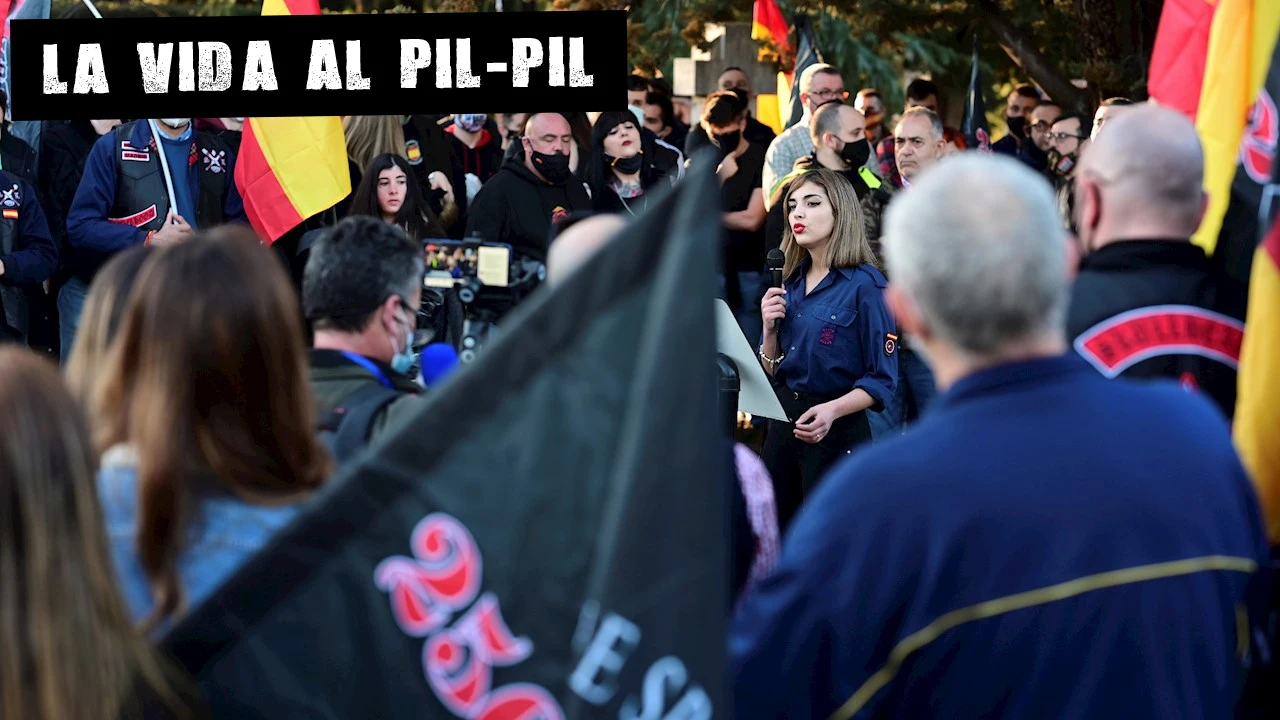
(819, 85)
(1067, 142)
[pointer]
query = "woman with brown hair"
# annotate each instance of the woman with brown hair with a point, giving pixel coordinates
(103, 310)
(69, 649)
(206, 420)
(828, 339)
(371, 136)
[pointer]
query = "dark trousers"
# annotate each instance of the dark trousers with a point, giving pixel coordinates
(795, 465)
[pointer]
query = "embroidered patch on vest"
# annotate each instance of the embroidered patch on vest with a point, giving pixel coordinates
(11, 198)
(414, 152)
(129, 152)
(828, 336)
(215, 161)
(137, 219)
(890, 343)
(9, 214)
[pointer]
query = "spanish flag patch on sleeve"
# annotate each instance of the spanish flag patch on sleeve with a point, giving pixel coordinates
(10, 214)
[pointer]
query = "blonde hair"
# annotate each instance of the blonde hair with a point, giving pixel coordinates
(103, 310)
(70, 650)
(848, 246)
(369, 136)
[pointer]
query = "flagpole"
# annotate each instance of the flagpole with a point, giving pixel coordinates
(92, 8)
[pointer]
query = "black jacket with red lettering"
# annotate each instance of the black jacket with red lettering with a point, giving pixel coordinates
(1156, 309)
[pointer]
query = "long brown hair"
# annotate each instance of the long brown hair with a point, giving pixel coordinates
(103, 310)
(208, 380)
(69, 650)
(848, 246)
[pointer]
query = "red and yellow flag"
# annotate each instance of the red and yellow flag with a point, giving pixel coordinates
(291, 168)
(1176, 73)
(291, 7)
(1257, 415)
(768, 23)
(1241, 39)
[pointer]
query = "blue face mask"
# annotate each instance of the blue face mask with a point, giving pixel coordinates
(470, 123)
(401, 362)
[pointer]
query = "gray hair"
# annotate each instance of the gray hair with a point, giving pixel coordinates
(806, 77)
(935, 121)
(978, 246)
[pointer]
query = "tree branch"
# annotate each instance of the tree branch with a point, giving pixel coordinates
(1022, 50)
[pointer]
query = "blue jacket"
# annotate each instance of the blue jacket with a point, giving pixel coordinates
(1044, 543)
(222, 534)
(91, 235)
(34, 257)
(839, 337)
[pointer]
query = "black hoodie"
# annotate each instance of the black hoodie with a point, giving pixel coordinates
(518, 208)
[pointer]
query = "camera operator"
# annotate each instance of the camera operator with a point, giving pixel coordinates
(361, 291)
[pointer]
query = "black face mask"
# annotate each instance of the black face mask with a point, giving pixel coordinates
(1017, 126)
(728, 142)
(856, 153)
(630, 165)
(554, 167)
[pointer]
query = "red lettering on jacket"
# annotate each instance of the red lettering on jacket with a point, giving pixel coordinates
(1118, 343)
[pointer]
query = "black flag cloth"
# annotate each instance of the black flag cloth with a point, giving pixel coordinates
(974, 124)
(546, 538)
(806, 54)
(1252, 191)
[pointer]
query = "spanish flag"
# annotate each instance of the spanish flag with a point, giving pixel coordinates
(291, 168)
(768, 23)
(1257, 415)
(291, 7)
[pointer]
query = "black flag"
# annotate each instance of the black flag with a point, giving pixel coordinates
(547, 538)
(807, 54)
(974, 125)
(1254, 195)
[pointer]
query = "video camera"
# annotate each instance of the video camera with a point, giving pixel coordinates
(469, 286)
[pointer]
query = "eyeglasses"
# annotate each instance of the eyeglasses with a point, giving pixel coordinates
(825, 94)
(1065, 136)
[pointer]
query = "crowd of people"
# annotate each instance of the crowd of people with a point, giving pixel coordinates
(211, 386)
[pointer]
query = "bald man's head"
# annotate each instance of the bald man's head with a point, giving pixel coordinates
(575, 246)
(1142, 178)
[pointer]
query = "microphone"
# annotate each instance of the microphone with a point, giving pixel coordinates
(775, 260)
(437, 361)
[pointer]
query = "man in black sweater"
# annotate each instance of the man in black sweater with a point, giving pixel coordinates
(522, 202)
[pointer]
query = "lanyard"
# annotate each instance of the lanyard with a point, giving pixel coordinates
(367, 364)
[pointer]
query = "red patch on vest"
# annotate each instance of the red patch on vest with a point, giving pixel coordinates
(828, 336)
(137, 219)
(1118, 343)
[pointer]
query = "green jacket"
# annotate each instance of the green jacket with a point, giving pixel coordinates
(334, 378)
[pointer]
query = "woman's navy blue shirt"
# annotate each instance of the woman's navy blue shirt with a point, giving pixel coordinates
(838, 337)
